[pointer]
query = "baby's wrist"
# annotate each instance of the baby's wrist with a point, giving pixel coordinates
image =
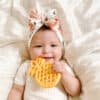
(64, 71)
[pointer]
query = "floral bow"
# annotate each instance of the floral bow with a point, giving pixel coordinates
(47, 18)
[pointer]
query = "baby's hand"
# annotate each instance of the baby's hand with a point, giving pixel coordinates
(60, 66)
(63, 68)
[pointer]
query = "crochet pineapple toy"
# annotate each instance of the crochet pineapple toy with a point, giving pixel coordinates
(43, 73)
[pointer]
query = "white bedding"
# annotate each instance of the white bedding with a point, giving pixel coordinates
(84, 56)
(80, 21)
(11, 57)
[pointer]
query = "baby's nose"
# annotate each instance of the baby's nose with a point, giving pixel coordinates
(46, 49)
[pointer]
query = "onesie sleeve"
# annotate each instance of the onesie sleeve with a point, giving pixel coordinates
(21, 74)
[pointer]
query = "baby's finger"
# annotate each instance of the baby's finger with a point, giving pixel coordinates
(57, 67)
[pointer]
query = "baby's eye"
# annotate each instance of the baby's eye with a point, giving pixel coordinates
(38, 46)
(54, 45)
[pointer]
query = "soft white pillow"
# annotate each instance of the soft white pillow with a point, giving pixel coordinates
(11, 56)
(84, 56)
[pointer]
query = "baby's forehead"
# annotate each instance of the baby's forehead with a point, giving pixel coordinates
(46, 36)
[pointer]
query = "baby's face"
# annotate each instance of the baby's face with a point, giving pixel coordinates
(46, 44)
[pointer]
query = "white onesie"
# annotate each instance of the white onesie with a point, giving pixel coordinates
(33, 91)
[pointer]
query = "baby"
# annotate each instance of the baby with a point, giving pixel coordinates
(45, 41)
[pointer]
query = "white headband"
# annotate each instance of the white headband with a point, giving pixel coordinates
(45, 18)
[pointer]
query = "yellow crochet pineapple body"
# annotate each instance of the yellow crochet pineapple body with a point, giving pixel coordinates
(43, 73)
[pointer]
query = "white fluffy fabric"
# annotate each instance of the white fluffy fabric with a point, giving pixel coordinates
(83, 55)
(11, 56)
(78, 19)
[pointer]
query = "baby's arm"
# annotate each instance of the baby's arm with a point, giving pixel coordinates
(70, 82)
(16, 92)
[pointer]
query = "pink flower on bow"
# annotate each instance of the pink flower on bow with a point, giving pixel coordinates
(34, 17)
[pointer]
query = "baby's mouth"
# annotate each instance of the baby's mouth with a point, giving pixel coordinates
(50, 59)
